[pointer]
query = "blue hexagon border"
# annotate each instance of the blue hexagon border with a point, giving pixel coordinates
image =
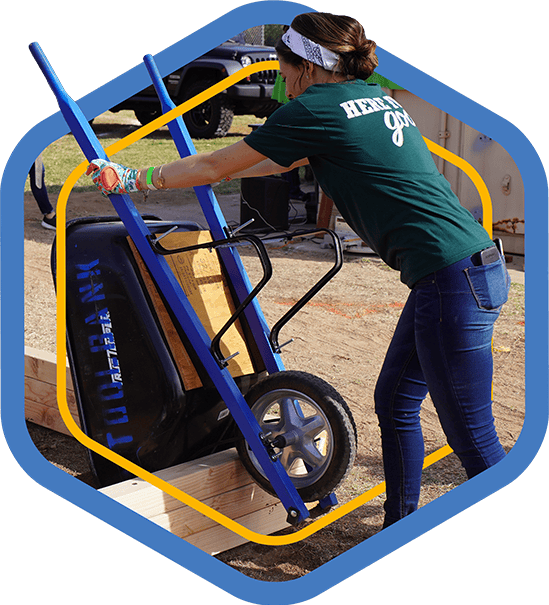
(383, 543)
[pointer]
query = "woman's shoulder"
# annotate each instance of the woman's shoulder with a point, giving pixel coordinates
(347, 89)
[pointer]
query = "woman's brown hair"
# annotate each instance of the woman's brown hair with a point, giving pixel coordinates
(342, 35)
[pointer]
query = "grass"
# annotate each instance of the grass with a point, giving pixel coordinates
(64, 155)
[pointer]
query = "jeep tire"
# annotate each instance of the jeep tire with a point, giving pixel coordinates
(213, 118)
(145, 116)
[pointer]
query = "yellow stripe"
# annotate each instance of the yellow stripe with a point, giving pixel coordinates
(136, 470)
(473, 175)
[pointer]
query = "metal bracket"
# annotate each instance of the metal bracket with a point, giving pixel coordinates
(338, 263)
(323, 506)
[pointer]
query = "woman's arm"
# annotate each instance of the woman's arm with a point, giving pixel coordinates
(235, 161)
(204, 168)
(268, 167)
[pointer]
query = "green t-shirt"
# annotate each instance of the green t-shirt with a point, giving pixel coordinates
(369, 157)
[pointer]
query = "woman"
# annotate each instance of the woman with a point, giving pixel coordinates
(369, 157)
(37, 175)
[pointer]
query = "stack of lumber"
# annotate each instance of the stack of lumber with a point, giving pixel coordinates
(218, 480)
(41, 391)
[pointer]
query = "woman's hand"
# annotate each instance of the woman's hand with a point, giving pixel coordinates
(236, 160)
(113, 178)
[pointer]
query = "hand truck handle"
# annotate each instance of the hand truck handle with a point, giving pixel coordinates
(228, 242)
(76, 120)
(338, 263)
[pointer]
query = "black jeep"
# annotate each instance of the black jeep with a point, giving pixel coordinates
(250, 96)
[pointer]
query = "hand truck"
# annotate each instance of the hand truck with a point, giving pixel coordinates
(294, 433)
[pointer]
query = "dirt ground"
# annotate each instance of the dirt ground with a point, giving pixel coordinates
(341, 336)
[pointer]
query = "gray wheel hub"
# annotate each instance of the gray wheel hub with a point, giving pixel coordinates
(304, 429)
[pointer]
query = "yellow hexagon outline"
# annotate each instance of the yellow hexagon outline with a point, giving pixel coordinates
(150, 478)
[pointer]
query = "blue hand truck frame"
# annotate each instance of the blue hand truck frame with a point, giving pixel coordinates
(224, 240)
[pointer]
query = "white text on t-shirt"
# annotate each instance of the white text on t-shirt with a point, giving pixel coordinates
(394, 120)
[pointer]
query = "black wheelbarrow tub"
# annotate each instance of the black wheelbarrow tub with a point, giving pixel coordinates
(129, 393)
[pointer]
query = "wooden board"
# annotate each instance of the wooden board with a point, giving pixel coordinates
(218, 480)
(41, 391)
(189, 376)
(202, 279)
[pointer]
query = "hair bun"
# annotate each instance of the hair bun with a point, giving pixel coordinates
(344, 36)
(359, 60)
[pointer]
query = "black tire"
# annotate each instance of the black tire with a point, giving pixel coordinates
(322, 426)
(145, 116)
(213, 118)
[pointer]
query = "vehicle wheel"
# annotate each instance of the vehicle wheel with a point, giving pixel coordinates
(317, 426)
(147, 115)
(212, 118)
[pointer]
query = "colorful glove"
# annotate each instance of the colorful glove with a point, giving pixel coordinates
(113, 178)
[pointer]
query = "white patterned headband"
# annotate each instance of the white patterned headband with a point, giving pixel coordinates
(307, 49)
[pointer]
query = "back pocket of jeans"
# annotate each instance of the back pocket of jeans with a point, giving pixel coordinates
(489, 284)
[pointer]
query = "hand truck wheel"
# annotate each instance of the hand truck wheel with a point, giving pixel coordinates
(308, 426)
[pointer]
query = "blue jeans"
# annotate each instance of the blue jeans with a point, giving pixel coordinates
(442, 345)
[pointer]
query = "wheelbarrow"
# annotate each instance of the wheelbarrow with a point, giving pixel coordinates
(132, 327)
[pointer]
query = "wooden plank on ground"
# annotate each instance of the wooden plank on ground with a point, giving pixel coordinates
(219, 539)
(43, 366)
(218, 481)
(41, 391)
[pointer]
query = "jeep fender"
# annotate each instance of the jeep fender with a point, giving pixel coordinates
(204, 69)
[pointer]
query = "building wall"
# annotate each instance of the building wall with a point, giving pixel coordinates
(488, 157)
